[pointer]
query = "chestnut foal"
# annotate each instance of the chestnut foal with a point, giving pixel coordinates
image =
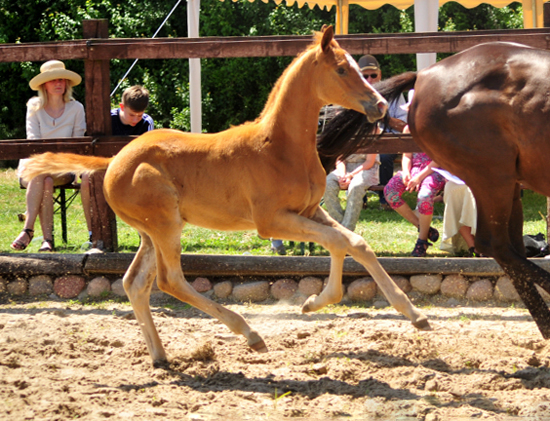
(264, 175)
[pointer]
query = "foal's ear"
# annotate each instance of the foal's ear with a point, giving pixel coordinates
(328, 35)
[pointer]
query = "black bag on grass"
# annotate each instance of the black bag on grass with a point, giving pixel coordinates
(535, 245)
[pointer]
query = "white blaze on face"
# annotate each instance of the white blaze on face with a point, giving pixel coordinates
(353, 64)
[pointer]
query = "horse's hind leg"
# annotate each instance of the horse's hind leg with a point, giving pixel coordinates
(500, 219)
(137, 283)
(170, 279)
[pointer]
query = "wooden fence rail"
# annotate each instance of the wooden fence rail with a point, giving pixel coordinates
(244, 266)
(110, 145)
(266, 46)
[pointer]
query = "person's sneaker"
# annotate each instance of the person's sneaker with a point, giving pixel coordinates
(433, 235)
(280, 250)
(385, 207)
(420, 248)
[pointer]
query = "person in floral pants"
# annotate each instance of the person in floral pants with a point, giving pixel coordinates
(417, 175)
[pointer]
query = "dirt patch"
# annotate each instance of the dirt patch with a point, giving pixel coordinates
(60, 361)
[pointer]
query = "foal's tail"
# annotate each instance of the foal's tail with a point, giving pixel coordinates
(57, 164)
(350, 130)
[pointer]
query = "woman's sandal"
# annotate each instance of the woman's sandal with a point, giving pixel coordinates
(19, 244)
(47, 246)
(420, 248)
(433, 235)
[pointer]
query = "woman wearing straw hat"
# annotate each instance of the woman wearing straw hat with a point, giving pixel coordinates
(52, 114)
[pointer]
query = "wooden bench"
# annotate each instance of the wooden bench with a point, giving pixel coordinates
(64, 200)
(378, 187)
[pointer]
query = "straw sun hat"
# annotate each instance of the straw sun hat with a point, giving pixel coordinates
(51, 70)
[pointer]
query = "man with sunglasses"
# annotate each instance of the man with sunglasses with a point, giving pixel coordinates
(398, 120)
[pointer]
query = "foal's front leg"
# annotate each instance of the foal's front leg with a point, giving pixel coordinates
(339, 241)
(358, 248)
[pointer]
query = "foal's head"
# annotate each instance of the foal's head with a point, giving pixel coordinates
(340, 81)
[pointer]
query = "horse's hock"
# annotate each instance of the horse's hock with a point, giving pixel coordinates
(261, 279)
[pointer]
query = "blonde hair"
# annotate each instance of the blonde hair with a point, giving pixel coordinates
(43, 96)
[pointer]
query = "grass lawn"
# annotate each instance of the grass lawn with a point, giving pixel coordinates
(386, 232)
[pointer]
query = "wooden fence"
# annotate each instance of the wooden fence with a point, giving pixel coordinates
(96, 49)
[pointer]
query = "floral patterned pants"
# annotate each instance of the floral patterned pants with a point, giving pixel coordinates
(429, 188)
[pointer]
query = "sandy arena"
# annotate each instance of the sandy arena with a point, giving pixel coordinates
(61, 360)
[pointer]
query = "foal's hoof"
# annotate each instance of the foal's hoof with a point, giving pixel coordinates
(422, 324)
(161, 363)
(307, 307)
(257, 343)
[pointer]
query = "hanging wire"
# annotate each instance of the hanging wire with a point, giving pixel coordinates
(136, 60)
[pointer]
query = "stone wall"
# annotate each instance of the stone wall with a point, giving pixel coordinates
(291, 289)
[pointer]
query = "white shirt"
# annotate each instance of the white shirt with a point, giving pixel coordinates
(40, 125)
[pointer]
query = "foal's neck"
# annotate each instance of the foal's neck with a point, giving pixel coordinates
(293, 110)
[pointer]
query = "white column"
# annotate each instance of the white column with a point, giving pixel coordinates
(426, 13)
(193, 10)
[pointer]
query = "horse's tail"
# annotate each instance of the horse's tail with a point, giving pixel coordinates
(350, 130)
(391, 88)
(57, 164)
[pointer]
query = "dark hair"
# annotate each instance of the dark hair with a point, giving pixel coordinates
(136, 98)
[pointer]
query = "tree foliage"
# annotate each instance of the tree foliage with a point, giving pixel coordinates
(234, 89)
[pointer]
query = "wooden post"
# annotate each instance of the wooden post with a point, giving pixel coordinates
(98, 122)
(546, 14)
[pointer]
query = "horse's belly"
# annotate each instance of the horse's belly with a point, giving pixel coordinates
(216, 218)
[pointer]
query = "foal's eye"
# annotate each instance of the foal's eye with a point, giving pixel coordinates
(341, 70)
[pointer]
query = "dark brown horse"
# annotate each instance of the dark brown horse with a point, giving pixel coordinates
(484, 115)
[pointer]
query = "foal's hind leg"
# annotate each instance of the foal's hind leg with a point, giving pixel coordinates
(170, 279)
(137, 283)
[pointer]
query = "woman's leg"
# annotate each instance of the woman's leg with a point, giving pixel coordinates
(466, 233)
(393, 193)
(35, 193)
(33, 197)
(332, 202)
(46, 210)
(406, 212)
(429, 188)
(356, 191)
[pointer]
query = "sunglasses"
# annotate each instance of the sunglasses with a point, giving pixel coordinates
(372, 75)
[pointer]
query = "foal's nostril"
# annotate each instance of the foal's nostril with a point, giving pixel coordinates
(382, 107)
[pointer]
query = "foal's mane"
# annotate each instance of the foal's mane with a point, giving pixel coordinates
(272, 104)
